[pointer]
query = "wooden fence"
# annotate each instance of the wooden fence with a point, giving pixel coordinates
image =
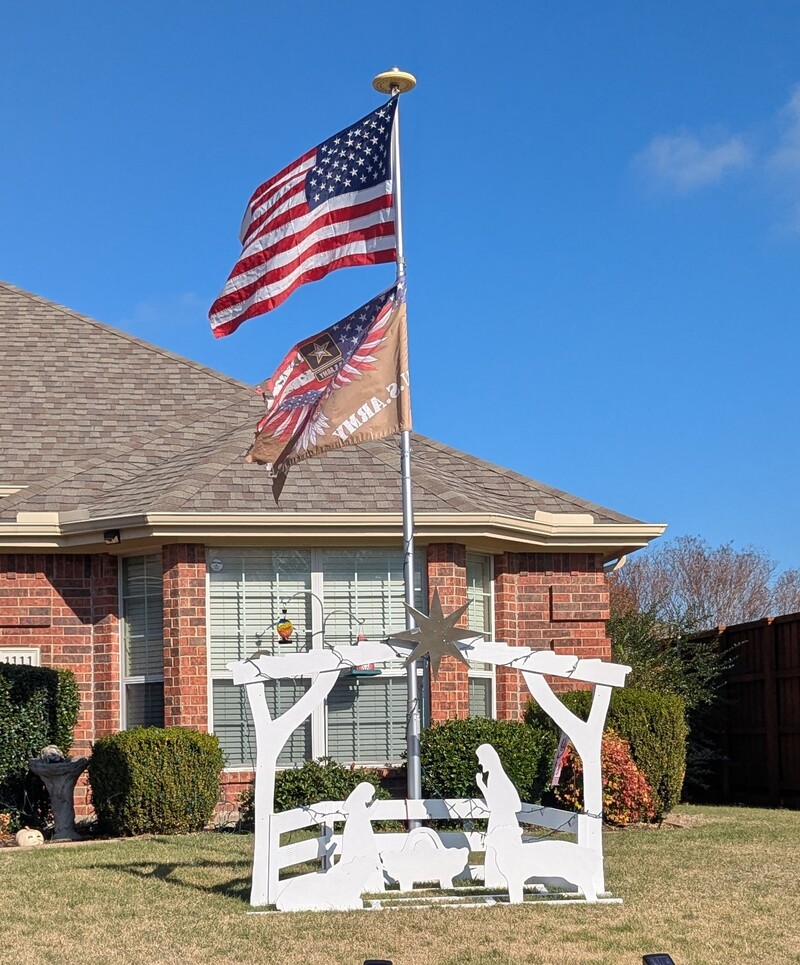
(760, 714)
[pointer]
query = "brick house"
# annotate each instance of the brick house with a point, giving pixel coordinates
(139, 550)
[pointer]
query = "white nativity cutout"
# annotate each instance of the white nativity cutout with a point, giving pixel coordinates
(359, 861)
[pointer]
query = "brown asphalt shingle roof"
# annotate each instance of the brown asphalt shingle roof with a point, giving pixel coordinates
(94, 419)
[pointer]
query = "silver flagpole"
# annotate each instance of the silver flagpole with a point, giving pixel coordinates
(396, 82)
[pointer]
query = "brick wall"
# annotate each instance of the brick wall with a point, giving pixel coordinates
(185, 658)
(447, 573)
(557, 600)
(67, 607)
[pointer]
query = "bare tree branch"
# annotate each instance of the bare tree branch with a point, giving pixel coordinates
(687, 581)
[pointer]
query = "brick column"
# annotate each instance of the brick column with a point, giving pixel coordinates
(447, 572)
(555, 600)
(106, 644)
(185, 660)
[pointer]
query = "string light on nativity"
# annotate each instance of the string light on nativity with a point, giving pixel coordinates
(436, 635)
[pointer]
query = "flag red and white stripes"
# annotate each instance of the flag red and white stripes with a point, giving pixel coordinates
(332, 208)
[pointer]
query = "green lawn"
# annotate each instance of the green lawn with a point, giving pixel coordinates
(724, 887)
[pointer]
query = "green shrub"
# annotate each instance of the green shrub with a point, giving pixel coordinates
(653, 724)
(626, 794)
(155, 780)
(449, 764)
(38, 706)
(315, 781)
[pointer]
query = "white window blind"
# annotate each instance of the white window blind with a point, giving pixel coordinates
(480, 696)
(233, 722)
(479, 594)
(364, 592)
(361, 590)
(143, 641)
(248, 591)
(367, 719)
(480, 618)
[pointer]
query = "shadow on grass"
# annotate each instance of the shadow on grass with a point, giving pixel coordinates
(236, 888)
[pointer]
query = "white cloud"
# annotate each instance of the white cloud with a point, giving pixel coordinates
(682, 162)
(786, 156)
(769, 154)
(783, 163)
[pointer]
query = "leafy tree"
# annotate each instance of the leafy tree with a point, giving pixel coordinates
(663, 655)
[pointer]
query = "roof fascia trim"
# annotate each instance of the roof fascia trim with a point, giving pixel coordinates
(547, 531)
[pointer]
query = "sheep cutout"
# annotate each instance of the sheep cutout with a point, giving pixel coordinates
(514, 862)
(358, 869)
(518, 861)
(339, 889)
(423, 857)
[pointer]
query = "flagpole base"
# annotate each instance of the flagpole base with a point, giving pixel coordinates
(394, 81)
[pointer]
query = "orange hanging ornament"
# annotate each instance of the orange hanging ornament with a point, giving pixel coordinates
(285, 627)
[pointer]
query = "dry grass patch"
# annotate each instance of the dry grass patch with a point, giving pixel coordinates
(721, 888)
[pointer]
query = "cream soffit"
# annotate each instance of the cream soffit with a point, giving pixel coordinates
(10, 490)
(546, 531)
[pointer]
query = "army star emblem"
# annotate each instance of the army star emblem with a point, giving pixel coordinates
(320, 352)
(437, 634)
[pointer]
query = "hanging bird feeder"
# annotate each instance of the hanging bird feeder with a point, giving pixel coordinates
(365, 669)
(284, 626)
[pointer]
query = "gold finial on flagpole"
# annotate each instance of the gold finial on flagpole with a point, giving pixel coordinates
(394, 81)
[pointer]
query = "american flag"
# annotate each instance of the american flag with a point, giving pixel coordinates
(332, 208)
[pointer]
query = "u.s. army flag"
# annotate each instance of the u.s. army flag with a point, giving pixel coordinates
(347, 384)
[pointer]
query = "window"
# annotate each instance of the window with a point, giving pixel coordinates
(367, 719)
(248, 591)
(480, 618)
(364, 592)
(143, 643)
(331, 595)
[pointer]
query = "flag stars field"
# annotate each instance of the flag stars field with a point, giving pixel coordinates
(332, 208)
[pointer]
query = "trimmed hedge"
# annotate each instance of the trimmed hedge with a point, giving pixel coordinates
(155, 780)
(315, 781)
(449, 764)
(38, 706)
(653, 724)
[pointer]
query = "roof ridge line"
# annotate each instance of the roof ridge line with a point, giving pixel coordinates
(581, 505)
(221, 376)
(215, 443)
(493, 467)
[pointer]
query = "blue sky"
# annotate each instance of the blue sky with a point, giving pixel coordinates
(602, 209)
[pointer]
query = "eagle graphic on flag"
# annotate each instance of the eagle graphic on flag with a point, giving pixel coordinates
(331, 208)
(344, 385)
